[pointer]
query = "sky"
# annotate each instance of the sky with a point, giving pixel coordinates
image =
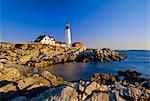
(116, 24)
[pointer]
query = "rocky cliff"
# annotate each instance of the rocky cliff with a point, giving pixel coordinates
(41, 55)
(38, 55)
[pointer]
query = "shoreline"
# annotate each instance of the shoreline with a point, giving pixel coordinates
(20, 83)
(41, 55)
(22, 80)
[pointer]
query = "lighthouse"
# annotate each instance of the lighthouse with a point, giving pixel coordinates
(68, 34)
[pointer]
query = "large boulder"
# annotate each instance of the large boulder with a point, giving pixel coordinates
(25, 83)
(103, 78)
(135, 93)
(92, 87)
(68, 94)
(39, 81)
(52, 78)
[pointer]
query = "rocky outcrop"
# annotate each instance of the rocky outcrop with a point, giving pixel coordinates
(15, 82)
(46, 86)
(92, 91)
(100, 55)
(103, 78)
(41, 55)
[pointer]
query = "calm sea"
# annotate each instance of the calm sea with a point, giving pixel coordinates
(138, 60)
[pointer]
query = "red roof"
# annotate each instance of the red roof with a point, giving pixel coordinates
(57, 42)
(77, 43)
(50, 36)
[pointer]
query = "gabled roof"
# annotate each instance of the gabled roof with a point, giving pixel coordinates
(41, 37)
(50, 36)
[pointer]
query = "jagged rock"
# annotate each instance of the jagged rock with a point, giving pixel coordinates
(68, 93)
(25, 83)
(135, 93)
(130, 76)
(103, 88)
(93, 86)
(81, 88)
(39, 81)
(9, 74)
(97, 55)
(99, 97)
(54, 80)
(118, 98)
(24, 59)
(103, 78)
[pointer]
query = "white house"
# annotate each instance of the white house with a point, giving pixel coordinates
(45, 39)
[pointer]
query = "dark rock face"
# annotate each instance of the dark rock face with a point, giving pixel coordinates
(100, 55)
(134, 77)
(103, 78)
(130, 76)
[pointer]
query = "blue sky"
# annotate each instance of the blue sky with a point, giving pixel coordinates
(117, 24)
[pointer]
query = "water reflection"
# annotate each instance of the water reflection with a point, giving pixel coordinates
(77, 71)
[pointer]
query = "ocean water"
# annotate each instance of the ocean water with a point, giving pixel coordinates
(138, 60)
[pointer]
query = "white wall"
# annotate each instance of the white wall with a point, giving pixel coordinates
(47, 40)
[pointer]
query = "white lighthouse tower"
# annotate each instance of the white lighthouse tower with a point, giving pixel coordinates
(68, 34)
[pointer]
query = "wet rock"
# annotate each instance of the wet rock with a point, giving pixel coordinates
(134, 77)
(7, 92)
(20, 98)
